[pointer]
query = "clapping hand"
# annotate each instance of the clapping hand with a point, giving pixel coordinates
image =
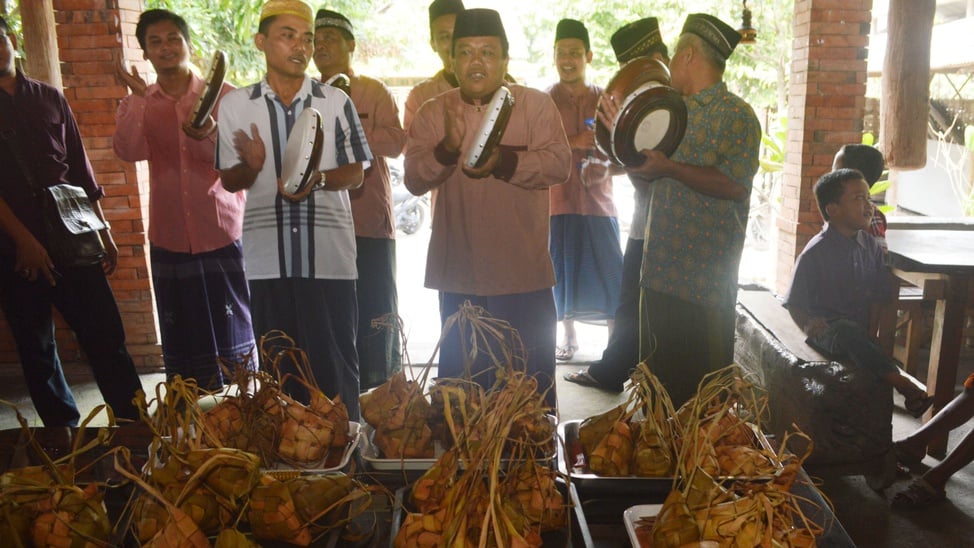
(250, 148)
(131, 78)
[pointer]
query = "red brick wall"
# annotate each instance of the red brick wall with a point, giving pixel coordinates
(91, 37)
(825, 111)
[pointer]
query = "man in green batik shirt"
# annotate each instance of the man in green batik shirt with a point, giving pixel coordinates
(698, 210)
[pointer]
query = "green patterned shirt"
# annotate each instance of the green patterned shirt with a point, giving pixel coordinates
(694, 242)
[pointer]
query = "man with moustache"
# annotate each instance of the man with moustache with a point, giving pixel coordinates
(489, 243)
(698, 206)
(442, 17)
(378, 347)
(41, 146)
(194, 224)
(584, 229)
(636, 39)
(300, 255)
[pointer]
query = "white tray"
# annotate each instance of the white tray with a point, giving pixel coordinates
(634, 514)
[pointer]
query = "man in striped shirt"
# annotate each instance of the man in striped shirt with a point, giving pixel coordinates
(300, 256)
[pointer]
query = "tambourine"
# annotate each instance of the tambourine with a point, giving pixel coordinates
(492, 128)
(301, 156)
(211, 90)
(652, 115)
(340, 81)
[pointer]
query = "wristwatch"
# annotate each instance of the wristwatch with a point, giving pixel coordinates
(321, 181)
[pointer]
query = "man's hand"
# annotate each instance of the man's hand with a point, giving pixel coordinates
(209, 126)
(608, 110)
(654, 165)
(455, 126)
(131, 79)
(33, 261)
(250, 148)
(110, 261)
(583, 141)
(487, 168)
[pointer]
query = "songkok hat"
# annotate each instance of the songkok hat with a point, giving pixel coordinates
(479, 22)
(328, 18)
(713, 31)
(570, 28)
(637, 39)
(444, 7)
(286, 7)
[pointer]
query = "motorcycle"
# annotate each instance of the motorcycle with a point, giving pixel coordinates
(411, 212)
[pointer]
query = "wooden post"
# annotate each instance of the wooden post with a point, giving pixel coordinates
(906, 84)
(40, 42)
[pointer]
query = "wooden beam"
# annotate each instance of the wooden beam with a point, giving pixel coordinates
(906, 89)
(40, 42)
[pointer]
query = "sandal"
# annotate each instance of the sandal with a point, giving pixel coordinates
(582, 377)
(565, 353)
(918, 406)
(918, 494)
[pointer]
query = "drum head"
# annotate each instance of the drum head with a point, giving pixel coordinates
(655, 119)
(302, 154)
(651, 115)
(492, 128)
(211, 90)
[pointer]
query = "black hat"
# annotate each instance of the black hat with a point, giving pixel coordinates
(328, 18)
(637, 39)
(479, 22)
(713, 31)
(444, 7)
(570, 28)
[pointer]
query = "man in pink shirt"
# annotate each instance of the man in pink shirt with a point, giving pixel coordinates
(201, 293)
(489, 244)
(375, 232)
(584, 244)
(442, 15)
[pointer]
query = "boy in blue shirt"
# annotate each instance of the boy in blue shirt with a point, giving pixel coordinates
(837, 278)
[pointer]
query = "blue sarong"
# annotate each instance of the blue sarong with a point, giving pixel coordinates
(203, 303)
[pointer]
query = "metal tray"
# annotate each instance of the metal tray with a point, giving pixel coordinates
(370, 453)
(571, 461)
(576, 536)
(331, 462)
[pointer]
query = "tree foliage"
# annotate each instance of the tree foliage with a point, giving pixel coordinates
(392, 37)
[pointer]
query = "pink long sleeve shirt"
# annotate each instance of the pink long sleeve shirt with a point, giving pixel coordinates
(490, 235)
(189, 211)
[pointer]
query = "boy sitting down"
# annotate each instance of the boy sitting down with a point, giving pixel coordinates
(838, 276)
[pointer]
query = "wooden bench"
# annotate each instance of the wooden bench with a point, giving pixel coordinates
(847, 413)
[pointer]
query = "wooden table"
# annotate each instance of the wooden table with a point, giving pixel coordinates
(941, 262)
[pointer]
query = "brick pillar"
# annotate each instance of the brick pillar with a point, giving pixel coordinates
(826, 106)
(92, 36)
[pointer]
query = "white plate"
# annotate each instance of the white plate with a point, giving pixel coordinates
(634, 514)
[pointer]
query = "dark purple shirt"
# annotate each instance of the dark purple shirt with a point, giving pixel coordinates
(50, 143)
(837, 277)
